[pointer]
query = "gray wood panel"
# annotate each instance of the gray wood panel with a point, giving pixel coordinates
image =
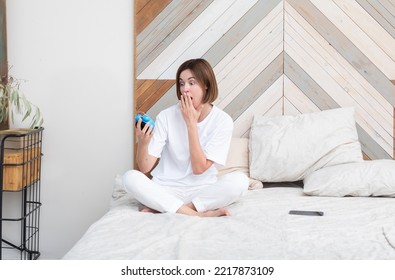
(346, 48)
(167, 100)
(165, 28)
(256, 88)
(383, 10)
(377, 16)
(326, 64)
(307, 85)
(324, 102)
(231, 38)
(370, 147)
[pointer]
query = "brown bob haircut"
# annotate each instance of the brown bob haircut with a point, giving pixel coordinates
(203, 74)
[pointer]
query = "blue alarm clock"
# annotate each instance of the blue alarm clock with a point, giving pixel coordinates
(144, 120)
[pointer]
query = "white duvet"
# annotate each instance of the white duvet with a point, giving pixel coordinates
(259, 228)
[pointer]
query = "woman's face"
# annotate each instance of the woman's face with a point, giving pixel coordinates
(190, 86)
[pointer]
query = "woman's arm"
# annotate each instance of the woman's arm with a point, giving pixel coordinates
(191, 115)
(144, 160)
(198, 159)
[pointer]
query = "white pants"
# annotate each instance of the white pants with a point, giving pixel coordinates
(226, 190)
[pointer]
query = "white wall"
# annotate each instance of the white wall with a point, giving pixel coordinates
(77, 59)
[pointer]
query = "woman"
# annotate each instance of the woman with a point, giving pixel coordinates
(190, 138)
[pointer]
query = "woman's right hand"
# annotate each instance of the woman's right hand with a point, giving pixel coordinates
(144, 160)
(144, 135)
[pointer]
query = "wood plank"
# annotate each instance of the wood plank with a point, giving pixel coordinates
(365, 156)
(245, 78)
(169, 16)
(275, 110)
(379, 7)
(142, 86)
(360, 84)
(357, 36)
(135, 10)
(150, 10)
(153, 93)
(344, 46)
(370, 146)
(153, 98)
(389, 5)
(256, 88)
(338, 61)
(168, 99)
(377, 16)
(298, 99)
(323, 101)
(258, 32)
(184, 40)
(167, 26)
(241, 30)
(371, 27)
(307, 85)
(210, 36)
(251, 61)
(197, 38)
(264, 103)
(302, 56)
(139, 83)
(375, 116)
(139, 5)
(290, 109)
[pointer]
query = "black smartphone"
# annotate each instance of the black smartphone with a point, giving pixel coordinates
(144, 119)
(306, 213)
(141, 125)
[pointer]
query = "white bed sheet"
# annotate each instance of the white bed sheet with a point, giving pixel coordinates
(259, 228)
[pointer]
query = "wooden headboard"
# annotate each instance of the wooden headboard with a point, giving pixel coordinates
(275, 57)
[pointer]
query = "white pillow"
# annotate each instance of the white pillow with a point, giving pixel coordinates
(287, 148)
(237, 160)
(368, 178)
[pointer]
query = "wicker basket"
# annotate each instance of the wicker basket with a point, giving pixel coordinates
(20, 168)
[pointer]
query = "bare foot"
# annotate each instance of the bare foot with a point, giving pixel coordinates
(148, 210)
(186, 209)
(216, 213)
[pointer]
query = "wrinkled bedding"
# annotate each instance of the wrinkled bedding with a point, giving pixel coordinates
(260, 228)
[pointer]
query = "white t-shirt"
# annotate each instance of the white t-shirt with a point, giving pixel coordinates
(170, 143)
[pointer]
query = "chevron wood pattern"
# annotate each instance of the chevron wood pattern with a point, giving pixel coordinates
(276, 57)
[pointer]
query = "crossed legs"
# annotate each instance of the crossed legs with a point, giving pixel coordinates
(202, 201)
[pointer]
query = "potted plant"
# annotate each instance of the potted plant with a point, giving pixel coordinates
(12, 101)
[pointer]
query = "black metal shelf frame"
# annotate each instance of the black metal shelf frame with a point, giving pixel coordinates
(29, 146)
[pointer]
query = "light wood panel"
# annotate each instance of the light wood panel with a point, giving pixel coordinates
(146, 11)
(174, 18)
(150, 91)
(275, 57)
(317, 64)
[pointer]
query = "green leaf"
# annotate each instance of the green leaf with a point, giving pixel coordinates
(12, 97)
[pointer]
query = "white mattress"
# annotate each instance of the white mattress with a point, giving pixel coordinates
(259, 228)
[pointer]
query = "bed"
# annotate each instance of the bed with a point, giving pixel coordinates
(259, 228)
(323, 172)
